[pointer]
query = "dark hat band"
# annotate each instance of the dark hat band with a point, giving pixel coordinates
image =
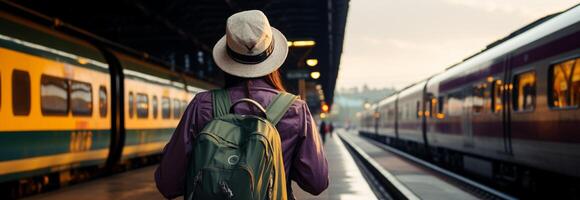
(254, 59)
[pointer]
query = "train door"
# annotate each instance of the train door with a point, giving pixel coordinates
(467, 118)
(488, 134)
(506, 89)
(117, 116)
(396, 118)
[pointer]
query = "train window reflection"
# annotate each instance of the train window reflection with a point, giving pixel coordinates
(102, 101)
(183, 106)
(524, 91)
(142, 105)
(430, 107)
(565, 84)
(477, 98)
(20, 92)
(155, 106)
(418, 113)
(53, 95)
(407, 112)
(81, 98)
(440, 108)
(575, 95)
(455, 104)
(0, 91)
(131, 104)
(403, 111)
(165, 108)
(496, 96)
(176, 109)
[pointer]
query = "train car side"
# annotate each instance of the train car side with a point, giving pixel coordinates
(154, 102)
(387, 115)
(509, 113)
(70, 111)
(497, 103)
(410, 117)
(52, 115)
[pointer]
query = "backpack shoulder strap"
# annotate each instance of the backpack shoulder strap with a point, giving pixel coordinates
(279, 106)
(221, 102)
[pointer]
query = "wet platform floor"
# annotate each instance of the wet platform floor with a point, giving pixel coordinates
(423, 182)
(346, 182)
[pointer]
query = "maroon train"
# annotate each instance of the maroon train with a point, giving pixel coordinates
(510, 112)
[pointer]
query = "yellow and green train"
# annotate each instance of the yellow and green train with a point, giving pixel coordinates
(66, 104)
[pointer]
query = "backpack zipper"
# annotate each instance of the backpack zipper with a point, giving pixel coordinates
(219, 140)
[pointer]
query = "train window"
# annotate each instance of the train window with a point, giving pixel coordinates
(102, 101)
(440, 107)
(410, 114)
(433, 107)
(405, 111)
(20, 92)
(155, 106)
(477, 98)
(142, 105)
(81, 98)
(183, 106)
(524, 91)
(430, 106)
(575, 94)
(456, 102)
(565, 84)
(53, 95)
(418, 113)
(496, 96)
(165, 108)
(176, 109)
(400, 111)
(131, 104)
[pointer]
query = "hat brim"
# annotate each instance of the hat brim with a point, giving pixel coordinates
(271, 64)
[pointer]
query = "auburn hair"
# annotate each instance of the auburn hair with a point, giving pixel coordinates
(275, 80)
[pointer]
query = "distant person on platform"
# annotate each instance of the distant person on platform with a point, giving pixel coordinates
(250, 54)
(330, 129)
(323, 131)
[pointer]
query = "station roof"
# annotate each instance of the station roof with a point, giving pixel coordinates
(183, 32)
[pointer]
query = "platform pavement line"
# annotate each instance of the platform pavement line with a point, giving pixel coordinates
(40, 162)
(404, 190)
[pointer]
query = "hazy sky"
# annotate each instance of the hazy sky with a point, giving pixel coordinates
(398, 42)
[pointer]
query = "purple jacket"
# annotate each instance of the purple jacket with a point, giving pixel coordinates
(304, 158)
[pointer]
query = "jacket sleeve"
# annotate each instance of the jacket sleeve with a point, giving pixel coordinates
(310, 166)
(170, 174)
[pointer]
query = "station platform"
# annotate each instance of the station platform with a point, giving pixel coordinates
(346, 182)
(419, 181)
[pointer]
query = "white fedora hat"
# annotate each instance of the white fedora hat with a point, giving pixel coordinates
(251, 47)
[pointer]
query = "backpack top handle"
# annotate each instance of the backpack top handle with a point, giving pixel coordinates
(251, 102)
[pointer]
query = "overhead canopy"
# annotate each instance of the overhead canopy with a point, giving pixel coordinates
(183, 32)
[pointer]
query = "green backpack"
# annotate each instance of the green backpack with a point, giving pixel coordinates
(239, 156)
